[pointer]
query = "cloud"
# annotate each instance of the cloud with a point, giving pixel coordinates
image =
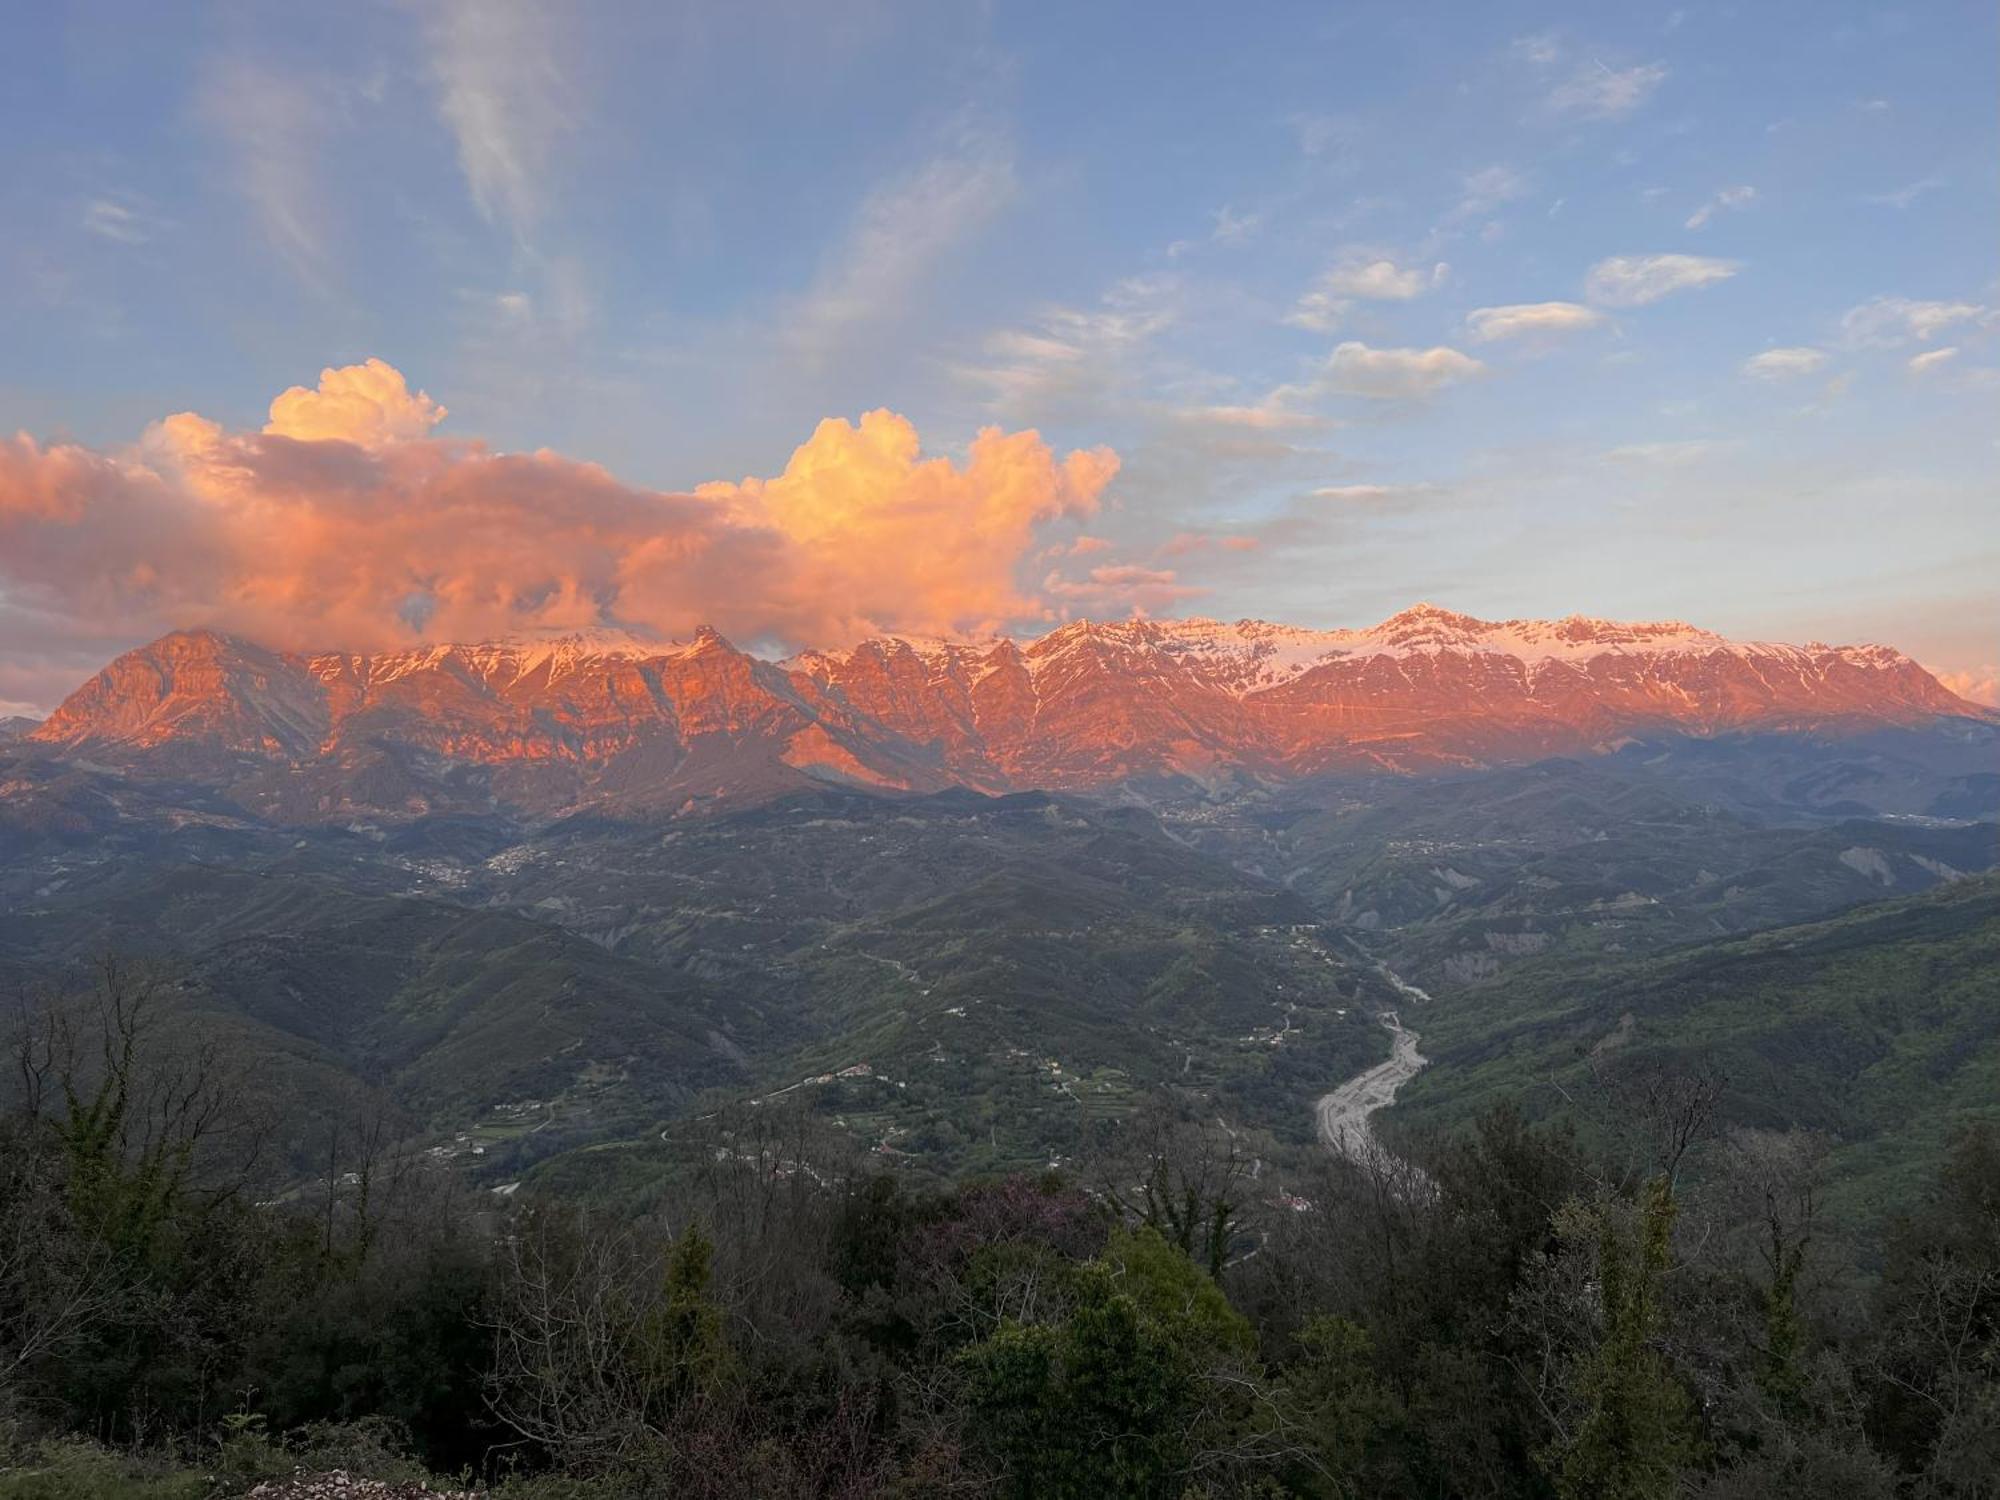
(901, 233)
(1487, 189)
(1367, 494)
(1120, 588)
(1184, 543)
(1268, 415)
(1635, 280)
(1784, 364)
(503, 94)
(1729, 197)
(1354, 369)
(1543, 48)
(1232, 228)
(1590, 88)
(1923, 364)
(1598, 92)
(1980, 684)
(346, 524)
(1072, 356)
(1671, 455)
(121, 219)
(1888, 322)
(1361, 277)
(368, 404)
(1380, 279)
(1523, 318)
(273, 125)
(1905, 195)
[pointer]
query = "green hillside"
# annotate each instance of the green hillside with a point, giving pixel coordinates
(1880, 1026)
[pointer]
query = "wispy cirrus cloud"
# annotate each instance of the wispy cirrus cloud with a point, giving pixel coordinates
(1905, 195)
(1075, 357)
(1730, 197)
(1489, 188)
(1597, 91)
(1577, 82)
(1636, 280)
(903, 231)
(505, 95)
(273, 124)
(122, 218)
(1675, 454)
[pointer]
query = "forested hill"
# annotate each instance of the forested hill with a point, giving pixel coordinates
(1879, 1026)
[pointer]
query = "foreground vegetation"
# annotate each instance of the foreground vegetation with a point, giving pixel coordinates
(1658, 1314)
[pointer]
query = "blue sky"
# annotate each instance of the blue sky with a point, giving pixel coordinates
(1527, 309)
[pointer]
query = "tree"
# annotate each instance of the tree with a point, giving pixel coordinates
(1633, 1431)
(1937, 1359)
(1143, 1382)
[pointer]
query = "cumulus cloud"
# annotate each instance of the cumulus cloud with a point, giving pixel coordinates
(369, 404)
(1729, 197)
(346, 523)
(1519, 319)
(1635, 280)
(1354, 369)
(1888, 322)
(1784, 364)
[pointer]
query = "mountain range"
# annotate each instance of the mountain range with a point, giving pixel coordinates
(549, 725)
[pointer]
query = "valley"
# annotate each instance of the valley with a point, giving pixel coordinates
(550, 910)
(954, 983)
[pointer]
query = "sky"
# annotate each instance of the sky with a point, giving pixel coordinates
(345, 327)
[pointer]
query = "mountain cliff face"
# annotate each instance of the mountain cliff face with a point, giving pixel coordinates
(552, 725)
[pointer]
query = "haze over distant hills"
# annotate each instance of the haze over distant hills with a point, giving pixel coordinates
(548, 725)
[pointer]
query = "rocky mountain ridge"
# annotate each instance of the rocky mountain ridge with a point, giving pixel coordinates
(552, 724)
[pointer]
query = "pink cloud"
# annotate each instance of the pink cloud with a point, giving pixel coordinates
(1980, 684)
(346, 523)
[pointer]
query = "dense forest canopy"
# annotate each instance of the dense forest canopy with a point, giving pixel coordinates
(1505, 1311)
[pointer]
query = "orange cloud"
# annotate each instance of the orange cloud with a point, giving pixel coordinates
(368, 403)
(1980, 684)
(346, 523)
(1119, 588)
